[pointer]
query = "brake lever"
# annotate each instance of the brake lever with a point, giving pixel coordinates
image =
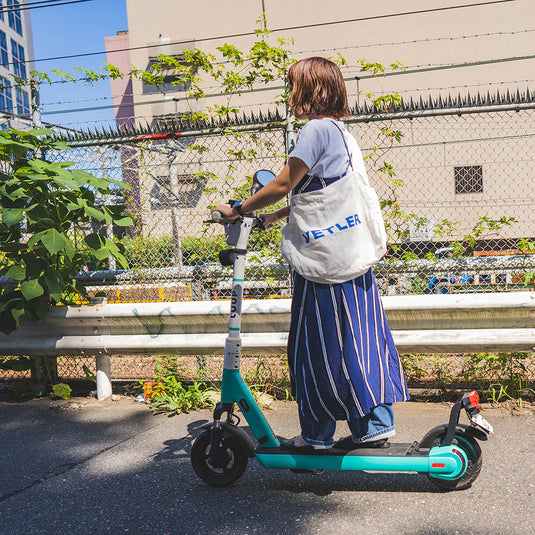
(259, 222)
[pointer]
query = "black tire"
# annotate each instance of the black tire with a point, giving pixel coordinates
(233, 460)
(475, 461)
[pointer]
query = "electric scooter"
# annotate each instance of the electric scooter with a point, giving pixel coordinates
(449, 454)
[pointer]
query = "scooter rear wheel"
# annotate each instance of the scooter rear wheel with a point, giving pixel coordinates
(473, 453)
(231, 460)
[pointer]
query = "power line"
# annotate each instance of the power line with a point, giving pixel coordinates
(416, 41)
(20, 3)
(450, 66)
(245, 34)
(34, 5)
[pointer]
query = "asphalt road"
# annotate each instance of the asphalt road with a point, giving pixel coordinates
(84, 467)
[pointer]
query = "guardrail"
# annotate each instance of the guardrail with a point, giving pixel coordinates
(420, 323)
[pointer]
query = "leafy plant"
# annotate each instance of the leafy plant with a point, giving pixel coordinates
(89, 374)
(18, 364)
(169, 396)
(41, 203)
(413, 367)
(62, 390)
(269, 376)
(502, 375)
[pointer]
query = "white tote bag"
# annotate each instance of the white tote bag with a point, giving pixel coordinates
(336, 233)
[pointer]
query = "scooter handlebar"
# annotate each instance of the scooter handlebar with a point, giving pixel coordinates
(217, 217)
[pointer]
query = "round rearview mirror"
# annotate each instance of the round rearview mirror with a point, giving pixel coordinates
(263, 177)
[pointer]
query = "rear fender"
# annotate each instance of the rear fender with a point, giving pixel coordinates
(460, 429)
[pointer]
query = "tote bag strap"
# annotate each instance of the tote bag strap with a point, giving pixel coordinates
(345, 144)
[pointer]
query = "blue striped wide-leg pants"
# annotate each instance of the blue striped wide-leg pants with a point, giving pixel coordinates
(342, 358)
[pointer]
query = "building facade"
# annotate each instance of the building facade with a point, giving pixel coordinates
(447, 47)
(16, 61)
(460, 169)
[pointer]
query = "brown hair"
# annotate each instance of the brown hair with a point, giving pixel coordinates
(317, 87)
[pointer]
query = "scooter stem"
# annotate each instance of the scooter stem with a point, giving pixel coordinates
(237, 235)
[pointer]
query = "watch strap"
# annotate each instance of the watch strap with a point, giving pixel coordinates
(237, 205)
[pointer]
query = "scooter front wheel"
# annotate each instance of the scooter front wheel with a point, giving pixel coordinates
(225, 467)
(473, 453)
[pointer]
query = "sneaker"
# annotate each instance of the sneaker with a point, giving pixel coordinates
(299, 445)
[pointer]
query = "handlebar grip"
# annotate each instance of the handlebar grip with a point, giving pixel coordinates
(217, 216)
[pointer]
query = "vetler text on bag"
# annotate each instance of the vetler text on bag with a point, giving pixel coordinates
(350, 221)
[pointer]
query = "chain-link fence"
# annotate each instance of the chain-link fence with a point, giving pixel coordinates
(172, 254)
(457, 185)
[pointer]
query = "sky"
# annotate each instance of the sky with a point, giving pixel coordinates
(76, 29)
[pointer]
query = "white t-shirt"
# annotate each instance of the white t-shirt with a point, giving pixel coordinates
(321, 147)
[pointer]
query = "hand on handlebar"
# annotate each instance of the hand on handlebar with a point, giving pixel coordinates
(223, 213)
(226, 211)
(268, 219)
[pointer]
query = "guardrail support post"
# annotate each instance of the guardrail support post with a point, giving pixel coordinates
(104, 390)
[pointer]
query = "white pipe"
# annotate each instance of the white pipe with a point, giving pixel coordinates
(260, 343)
(517, 300)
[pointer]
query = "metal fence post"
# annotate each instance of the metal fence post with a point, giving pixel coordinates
(104, 388)
(175, 215)
(290, 136)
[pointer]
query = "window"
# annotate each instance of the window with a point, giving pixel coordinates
(189, 192)
(19, 65)
(14, 17)
(4, 55)
(23, 102)
(1, 9)
(171, 82)
(6, 99)
(469, 179)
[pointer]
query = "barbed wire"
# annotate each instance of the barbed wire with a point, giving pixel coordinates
(423, 68)
(461, 86)
(414, 41)
(267, 106)
(185, 98)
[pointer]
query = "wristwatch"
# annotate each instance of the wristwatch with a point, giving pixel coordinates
(237, 206)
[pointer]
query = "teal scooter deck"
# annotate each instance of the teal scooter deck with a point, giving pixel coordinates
(439, 461)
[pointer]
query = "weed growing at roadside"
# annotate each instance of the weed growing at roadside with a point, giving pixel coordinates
(168, 395)
(270, 376)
